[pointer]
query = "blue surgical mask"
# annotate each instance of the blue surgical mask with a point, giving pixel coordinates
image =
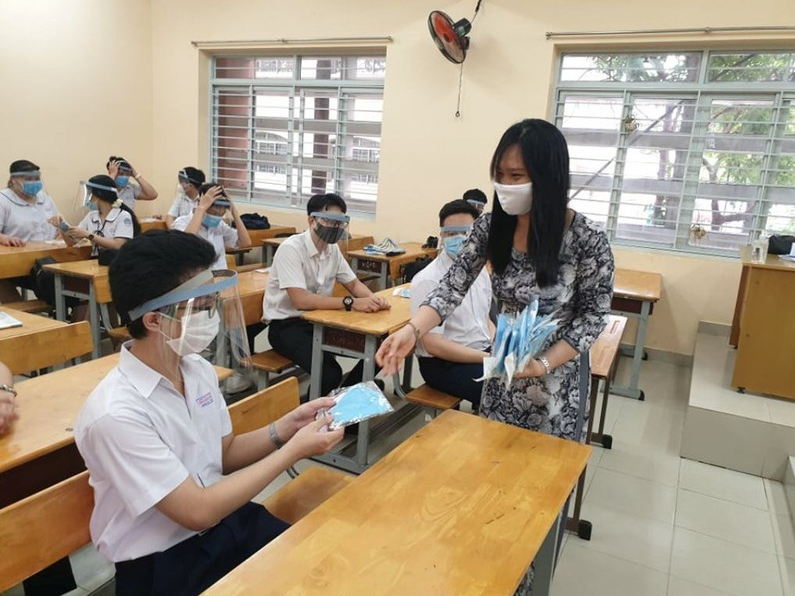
(452, 244)
(92, 206)
(32, 187)
(211, 221)
(121, 181)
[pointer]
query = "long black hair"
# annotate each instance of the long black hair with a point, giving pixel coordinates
(546, 158)
(110, 197)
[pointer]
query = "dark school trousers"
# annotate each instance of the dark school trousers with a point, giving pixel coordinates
(454, 378)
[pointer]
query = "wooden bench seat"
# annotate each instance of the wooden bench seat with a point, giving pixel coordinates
(119, 333)
(31, 306)
(268, 363)
(432, 399)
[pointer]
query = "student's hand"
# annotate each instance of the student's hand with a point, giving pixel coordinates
(314, 439)
(306, 413)
(55, 221)
(11, 240)
(367, 304)
(78, 233)
(113, 169)
(394, 350)
(533, 370)
(383, 303)
(7, 411)
(208, 198)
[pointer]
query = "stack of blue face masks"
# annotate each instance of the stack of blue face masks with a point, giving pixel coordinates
(356, 403)
(518, 339)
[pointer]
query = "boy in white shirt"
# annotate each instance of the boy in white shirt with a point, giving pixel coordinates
(121, 171)
(190, 181)
(451, 355)
(157, 438)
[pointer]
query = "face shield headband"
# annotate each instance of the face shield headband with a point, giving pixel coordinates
(183, 177)
(89, 185)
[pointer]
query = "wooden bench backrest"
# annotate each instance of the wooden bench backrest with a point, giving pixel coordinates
(264, 407)
(605, 348)
(42, 349)
(43, 528)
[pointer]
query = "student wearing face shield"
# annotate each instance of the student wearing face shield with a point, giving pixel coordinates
(190, 182)
(172, 483)
(207, 222)
(121, 171)
(27, 214)
(477, 198)
(302, 278)
(451, 355)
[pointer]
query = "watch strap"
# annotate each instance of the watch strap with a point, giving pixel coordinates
(8, 389)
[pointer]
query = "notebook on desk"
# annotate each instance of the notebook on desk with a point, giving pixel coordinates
(7, 321)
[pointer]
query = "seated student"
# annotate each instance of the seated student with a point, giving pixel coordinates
(109, 222)
(451, 355)
(120, 170)
(27, 214)
(157, 438)
(302, 278)
(476, 198)
(190, 181)
(207, 222)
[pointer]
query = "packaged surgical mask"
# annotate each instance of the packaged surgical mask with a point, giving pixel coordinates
(515, 199)
(355, 404)
(211, 221)
(32, 187)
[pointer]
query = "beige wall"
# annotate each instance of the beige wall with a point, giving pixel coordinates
(82, 107)
(77, 86)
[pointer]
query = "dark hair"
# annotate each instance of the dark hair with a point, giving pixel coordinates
(456, 207)
(22, 165)
(475, 194)
(123, 163)
(110, 197)
(323, 202)
(194, 176)
(205, 187)
(153, 264)
(546, 157)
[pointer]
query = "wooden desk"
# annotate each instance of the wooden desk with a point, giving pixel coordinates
(357, 335)
(388, 268)
(461, 507)
(30, 323)
(257, 236)
(238, 253)
(251, 287)
(94, 277)
(634, 295)
(39, 450)
(765, 326)
(17, 261)
(152, 223)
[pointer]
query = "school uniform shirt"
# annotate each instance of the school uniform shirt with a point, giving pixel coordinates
(129, 194)
(117, 224)
(27, 220)
(469, 323)
(221, 236)
(299, 264)
(141, 439)
(183, 205)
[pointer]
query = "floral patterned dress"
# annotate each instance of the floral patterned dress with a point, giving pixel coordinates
(581, 300)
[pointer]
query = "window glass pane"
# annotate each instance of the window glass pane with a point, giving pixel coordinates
(748, 67)
(275, 68)
(631, 68)
(234, 68)
(326, 68)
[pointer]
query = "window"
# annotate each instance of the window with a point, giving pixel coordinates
(690, 151)
(285, 128)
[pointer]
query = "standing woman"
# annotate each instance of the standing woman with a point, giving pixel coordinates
(538, 248)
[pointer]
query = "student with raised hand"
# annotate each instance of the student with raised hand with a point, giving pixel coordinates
(27, 214)
(207, 222)
(187, 199)
(451, 355)
(109, 223)
(172, 483)
(121, 171)
(302, 278)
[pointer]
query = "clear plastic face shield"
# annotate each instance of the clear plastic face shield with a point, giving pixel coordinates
(203, 316)
(452, 238)
(330, 226)
(477, 205)
(26, 183)
(185, 183)
(215, 214)
(85, 200)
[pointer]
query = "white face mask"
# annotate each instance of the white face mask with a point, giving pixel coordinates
(199, 329)
(515, 199)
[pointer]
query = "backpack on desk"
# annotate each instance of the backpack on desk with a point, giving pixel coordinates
(255, 221)
(780, 245)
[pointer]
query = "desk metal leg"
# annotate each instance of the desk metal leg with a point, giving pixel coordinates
(637, 356)
(93, 314)
(545, 562)
(60, 301)
(268, 249)
(316, 374)
(368, 374)
(384, 279)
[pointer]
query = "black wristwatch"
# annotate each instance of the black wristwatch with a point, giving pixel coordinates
(347, 302)
(90, 237)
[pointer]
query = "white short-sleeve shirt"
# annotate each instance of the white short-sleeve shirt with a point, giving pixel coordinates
(298, 264)
(220, 237)
(129, 194)
(183, 205)
(141, 439)
(27, 220)
(118, 224)
(469, 323)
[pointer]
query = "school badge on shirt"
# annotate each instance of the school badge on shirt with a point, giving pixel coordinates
(205, 400)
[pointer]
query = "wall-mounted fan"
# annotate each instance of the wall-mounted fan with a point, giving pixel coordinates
(450, 37)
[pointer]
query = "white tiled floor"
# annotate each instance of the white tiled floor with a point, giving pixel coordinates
(662, 526)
